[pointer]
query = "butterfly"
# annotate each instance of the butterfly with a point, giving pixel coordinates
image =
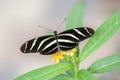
(50, 44)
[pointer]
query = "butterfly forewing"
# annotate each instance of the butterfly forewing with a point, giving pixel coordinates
(70, 38)
(77, 34)
(34, 45)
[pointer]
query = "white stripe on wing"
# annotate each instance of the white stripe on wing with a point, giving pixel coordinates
(69, 34)
(88, 31)
(79, 32)
(25, 46)
(33, 44)
(43, 41)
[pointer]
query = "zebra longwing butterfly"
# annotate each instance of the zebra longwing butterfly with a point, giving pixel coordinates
(50, 44)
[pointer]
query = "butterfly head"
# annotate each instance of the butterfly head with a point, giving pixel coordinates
(55, 32)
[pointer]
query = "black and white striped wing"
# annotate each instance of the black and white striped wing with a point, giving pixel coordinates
(70, 38)
(52, 43)
(38, 44)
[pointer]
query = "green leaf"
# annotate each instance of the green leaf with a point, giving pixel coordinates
(71, 73)
(102, 35)
(45, 73)
(61, 77)
(75, 17)
(106, 64)
(85, 75)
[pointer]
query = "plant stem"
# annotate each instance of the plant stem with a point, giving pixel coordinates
(76, 68)
(76, 63)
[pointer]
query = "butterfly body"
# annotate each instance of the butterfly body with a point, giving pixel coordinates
(51, 44)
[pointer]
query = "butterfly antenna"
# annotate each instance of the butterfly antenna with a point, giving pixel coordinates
(46, 28)
(61, 24)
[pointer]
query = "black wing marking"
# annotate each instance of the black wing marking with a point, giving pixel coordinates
(77, 34)
(45, 45)
(34, 45)
(74, 36)
(67, 46)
